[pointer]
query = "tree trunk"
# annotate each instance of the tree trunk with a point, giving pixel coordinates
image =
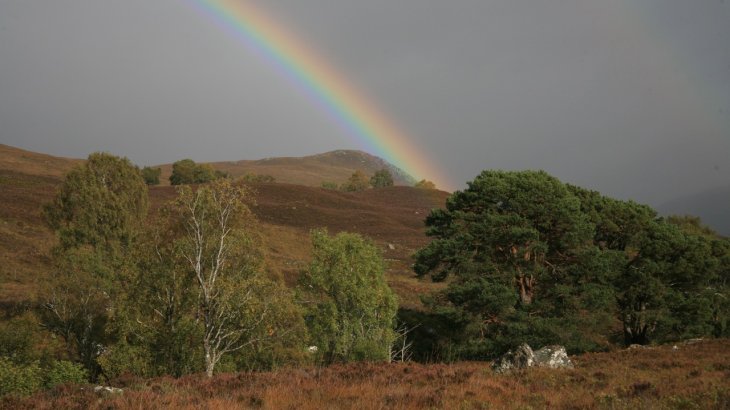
(209, 363)
(526, 285)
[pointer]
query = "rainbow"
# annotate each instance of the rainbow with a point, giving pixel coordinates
(357, 115)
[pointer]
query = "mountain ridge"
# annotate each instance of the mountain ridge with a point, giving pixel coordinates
(310, 170)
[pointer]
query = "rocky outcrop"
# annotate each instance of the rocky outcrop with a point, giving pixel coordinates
(523, 357)
(520, 358)
(553, 357)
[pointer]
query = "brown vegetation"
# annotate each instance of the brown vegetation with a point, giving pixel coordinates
(311, 170)
(390, 216)
(693, 376)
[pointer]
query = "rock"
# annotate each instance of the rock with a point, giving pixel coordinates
(520, 358)
(553, 357)
(107, 390)
(391, 246)
(636, 346)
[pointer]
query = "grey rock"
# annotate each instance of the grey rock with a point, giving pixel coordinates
(553, 357)
(108, 390)
(523, 357)
(519, 358)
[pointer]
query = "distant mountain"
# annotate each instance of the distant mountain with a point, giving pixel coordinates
(334, 166)
(712, 206)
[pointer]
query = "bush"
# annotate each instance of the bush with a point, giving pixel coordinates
(151, 176)
(18, 338)
(125, 359)
(63, 371)
(19, 379)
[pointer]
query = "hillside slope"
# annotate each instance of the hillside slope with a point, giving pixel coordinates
(393, 217)
(33, 163)
(333, 166)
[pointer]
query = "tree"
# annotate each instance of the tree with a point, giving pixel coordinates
(100, 203)
(186, 171)
(670, 289)
(151, 175)
(218, 248)
(350, 308)
(97, 214)
(425, 184)
(358, 181)
(382, 178)
(523, 261)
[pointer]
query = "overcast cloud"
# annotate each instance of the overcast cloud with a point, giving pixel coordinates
(631, 98)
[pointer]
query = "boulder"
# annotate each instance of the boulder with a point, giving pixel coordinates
(553, 357)
(107, 390)
(523, 357)
(519, 358)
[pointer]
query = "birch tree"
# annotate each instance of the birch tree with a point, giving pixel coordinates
(218, 248)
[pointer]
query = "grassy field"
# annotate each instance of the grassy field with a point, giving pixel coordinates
(692, 376)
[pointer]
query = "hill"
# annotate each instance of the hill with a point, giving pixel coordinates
(393, 217)
(34, 163)
(711, 206)
(334, 166)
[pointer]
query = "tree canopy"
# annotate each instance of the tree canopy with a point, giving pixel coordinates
(350, 308)
(382, 178)
(151, 175)
(537, 260)
(97, 213)
(358, 181)
(186, 171)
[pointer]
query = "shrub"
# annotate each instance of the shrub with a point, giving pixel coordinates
(151, 176)
(63, 371)
(19, 379)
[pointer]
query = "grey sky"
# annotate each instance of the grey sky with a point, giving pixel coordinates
(631, 98)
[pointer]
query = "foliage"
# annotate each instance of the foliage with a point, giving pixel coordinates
(692, 225)
(425, 184)
(538, 261)
(20, 379)
(330, 185)
(350, 308)
(18, 339)
(100, 203)
(186, 171)
(97, 214)
(382, 178)
(151, 175)
(358, 181)
(670, 290)
(63, 371)
(258, 178)
(236, 302)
